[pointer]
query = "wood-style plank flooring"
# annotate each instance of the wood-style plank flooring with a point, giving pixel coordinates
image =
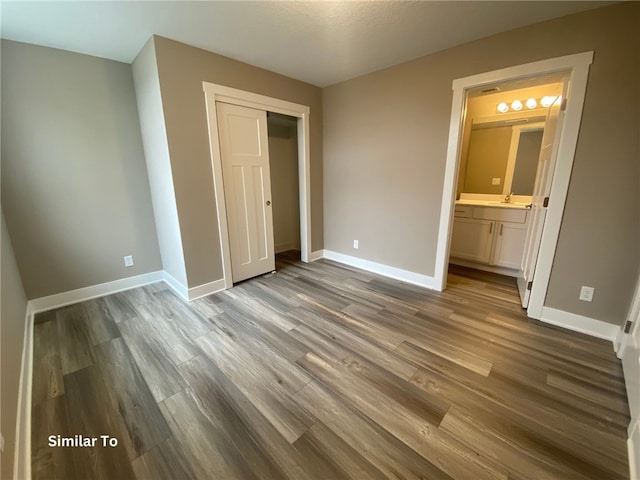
(321, 371)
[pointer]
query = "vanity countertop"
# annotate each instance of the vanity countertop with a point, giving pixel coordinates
(494, 204)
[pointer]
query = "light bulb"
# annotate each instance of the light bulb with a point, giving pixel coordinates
(547, 101)
(503, 107)
(531, 103)
(516, 105)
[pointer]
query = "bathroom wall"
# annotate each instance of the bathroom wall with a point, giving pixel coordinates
(484, 106)
(487, 159)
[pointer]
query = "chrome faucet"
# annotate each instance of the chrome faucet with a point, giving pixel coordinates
(507, 198)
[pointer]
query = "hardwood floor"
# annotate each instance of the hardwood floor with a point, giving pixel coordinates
(321, 371)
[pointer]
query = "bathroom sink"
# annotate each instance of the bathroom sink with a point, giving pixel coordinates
(492, 203)
(507, 205)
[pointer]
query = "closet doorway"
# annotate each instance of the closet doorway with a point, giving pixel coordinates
(283, 159)
(256, 202)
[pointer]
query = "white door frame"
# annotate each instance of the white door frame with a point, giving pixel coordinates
(631, 367)
(219, 93)
(577, 67)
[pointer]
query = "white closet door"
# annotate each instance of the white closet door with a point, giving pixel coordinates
(244, 150)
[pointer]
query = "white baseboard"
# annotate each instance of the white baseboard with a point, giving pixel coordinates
(317, 255)
(578, 323)
(86, 293)
(618, 343)
(381, 269)
(176, 286)
(188, 294)
(22, 451)
(206, 289)
(633, 447)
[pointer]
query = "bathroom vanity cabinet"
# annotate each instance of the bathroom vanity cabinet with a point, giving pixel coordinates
(489, 235)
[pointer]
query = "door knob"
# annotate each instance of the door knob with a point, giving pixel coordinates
(268, 202)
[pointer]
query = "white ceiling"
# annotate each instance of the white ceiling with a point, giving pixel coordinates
(320, 42)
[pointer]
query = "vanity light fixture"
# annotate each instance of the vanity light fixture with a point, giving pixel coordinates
(531, 103)
(503, 107)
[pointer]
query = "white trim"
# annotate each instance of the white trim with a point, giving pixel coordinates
(218, 93)
(176, 286)
(22, 450)
(633, 315)
(579, 323)
(619, 342)
(381, 269)
(86, 293)
(633, 447)
(317, 255)
(206, 289)
(578, 68)
(560, 182)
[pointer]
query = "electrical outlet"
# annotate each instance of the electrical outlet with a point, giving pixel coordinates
(1, 443)
(355, 244)
(586, 294)
(495, 181)
(128, 261)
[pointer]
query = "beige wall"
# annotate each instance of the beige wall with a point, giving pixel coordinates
(487, 159)
(156, 152)
(385, 142)
(12, 324)
(182, 69)
(283, 163)
(74, 184)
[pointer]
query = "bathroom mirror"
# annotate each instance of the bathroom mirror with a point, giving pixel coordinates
(502, 157)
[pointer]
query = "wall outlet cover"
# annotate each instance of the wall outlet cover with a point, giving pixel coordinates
(128, 261)
(355, 244)
(495, 181)
(586, 294)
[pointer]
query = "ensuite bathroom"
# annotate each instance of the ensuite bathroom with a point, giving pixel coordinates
(505, 171)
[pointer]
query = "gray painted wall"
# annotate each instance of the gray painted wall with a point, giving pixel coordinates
(283, 163)
(13, 312)
(156, 151)
(385, 142)
(74, 183)
(182, 69)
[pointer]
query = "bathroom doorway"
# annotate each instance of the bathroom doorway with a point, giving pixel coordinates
(501, 169)
(575, 67)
